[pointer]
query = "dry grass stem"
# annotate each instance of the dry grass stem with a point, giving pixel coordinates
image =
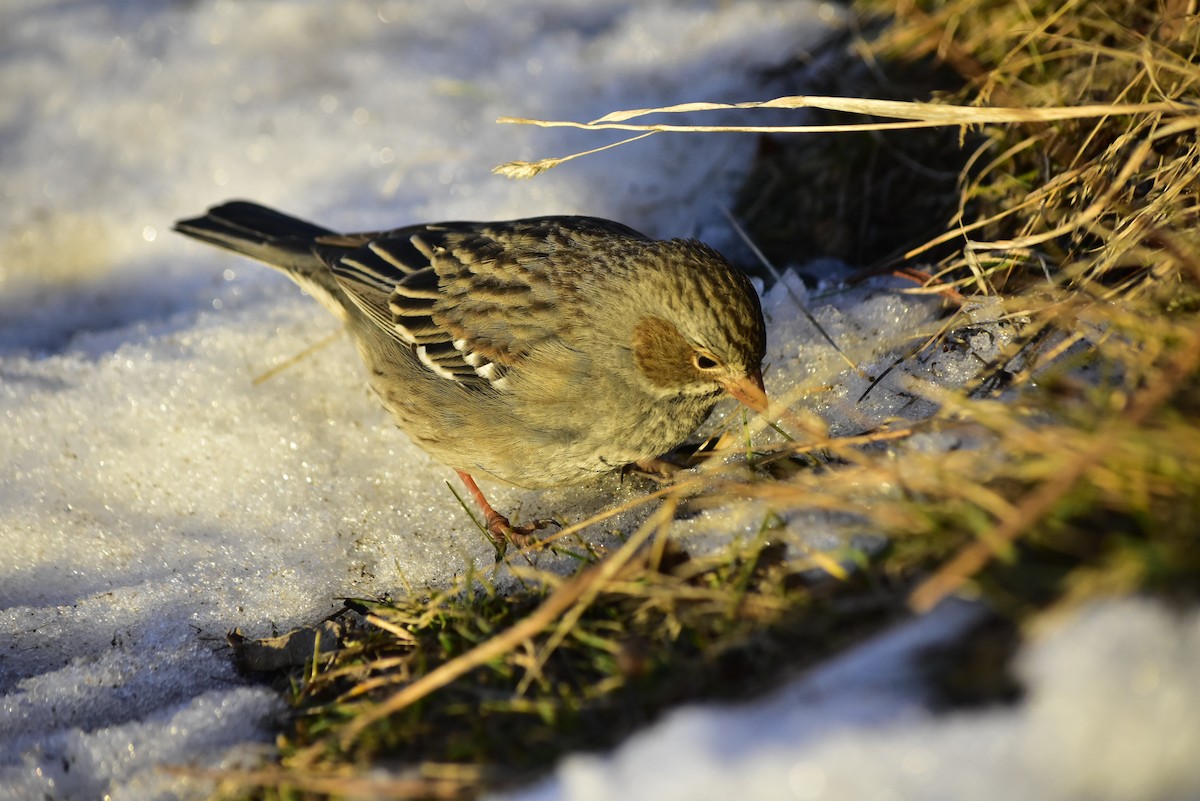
(915, 114)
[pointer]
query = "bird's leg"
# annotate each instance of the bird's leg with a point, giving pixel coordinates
(498, 528)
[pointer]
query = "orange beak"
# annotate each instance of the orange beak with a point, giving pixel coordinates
(749, 390)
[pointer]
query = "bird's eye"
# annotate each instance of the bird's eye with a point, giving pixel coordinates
(704, 361)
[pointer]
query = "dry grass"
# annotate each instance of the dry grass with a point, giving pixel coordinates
(1077, 209)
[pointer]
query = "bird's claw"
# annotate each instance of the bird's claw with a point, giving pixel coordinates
(503, 532)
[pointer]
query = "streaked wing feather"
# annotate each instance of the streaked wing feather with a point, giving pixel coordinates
(373, 269)
(366, 278)
(469, 298)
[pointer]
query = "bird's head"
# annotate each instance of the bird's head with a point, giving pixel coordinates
(699, 327)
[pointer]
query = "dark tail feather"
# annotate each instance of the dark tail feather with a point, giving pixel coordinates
(269, 236)
(255, 231)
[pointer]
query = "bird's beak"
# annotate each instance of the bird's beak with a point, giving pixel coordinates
(749, 390)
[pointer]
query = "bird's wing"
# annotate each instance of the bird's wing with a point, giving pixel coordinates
(472, 299)
(369, 267)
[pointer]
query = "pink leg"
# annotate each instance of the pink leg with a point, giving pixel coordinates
(498, 527)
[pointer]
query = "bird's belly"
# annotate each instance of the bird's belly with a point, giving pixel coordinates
(533, 444)
(545, 456)
(581, 450)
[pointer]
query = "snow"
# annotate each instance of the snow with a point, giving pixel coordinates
(1109, 713)
(155, 495)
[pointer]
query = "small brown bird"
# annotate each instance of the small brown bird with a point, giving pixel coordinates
(540, 352)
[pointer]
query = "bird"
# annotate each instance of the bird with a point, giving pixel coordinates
(540, 352)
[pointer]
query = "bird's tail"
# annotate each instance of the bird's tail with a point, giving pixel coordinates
(274, 238)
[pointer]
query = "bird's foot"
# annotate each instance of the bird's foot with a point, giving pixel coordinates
(503, 532)
(499, 530)
(656, 468)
